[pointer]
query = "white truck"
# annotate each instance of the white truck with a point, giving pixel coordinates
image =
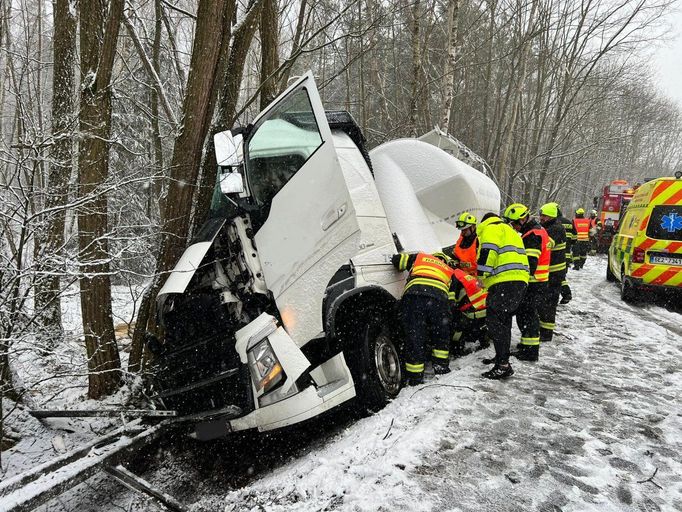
(284, 304)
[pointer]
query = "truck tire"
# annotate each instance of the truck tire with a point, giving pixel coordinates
(609, 275)
(376, 365)
(627, 294)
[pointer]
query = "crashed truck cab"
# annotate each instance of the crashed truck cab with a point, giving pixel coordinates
(284, 304)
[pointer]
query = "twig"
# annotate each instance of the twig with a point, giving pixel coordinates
(650, 479)
(389, 429)
(442, 385)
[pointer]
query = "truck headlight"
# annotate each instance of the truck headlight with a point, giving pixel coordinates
(266, 371)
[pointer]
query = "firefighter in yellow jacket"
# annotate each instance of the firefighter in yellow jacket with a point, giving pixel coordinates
(425, 311)
(536, 241)
(503, 267)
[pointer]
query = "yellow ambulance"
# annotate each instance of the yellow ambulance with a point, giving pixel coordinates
(646, 252)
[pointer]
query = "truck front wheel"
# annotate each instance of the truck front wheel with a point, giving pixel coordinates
(375, 365)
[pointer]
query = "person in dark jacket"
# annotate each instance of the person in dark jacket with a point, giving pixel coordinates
(536, 241)
(582, 242)
(571, 237)
(425, 311)
(503, 267)
(549, 218)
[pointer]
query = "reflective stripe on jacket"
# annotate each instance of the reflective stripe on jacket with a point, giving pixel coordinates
(582, 229)
(501, 255)
(425, 270)
(469, 295)
(536, 240)
(466, 255)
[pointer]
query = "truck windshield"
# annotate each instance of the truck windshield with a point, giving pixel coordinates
(665, 223)
(281, 144)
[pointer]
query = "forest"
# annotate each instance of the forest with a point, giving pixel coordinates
(107, 110)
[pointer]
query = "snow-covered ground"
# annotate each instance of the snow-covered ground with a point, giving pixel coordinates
(583, 429)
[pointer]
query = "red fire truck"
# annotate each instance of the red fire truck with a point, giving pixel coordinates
(610, 205)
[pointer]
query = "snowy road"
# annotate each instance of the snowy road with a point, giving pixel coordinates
(583, 429)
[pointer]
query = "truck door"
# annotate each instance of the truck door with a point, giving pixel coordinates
(305, 222)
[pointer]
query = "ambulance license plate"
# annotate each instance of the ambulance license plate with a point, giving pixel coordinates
(665, 260)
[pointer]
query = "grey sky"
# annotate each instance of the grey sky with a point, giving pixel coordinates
(667, 62)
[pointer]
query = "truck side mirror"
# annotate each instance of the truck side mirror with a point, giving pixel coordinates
(231, 183)
(228, 149)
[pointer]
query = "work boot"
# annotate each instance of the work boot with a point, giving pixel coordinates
(460, 351)
(499, 372)
(441, 368)
(415, 380)
(528, 353)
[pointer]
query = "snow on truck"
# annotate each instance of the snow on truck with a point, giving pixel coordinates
(284, 304)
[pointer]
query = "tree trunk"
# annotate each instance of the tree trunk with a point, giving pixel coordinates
(98, 49)
(416, 68)
(269, 44)
(184, 166)
(450, 63)
(49, 261)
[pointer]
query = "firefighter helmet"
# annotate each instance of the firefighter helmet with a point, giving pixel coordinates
(550, 210)
(465, 220)
(516, 211)
(580, 211)
(445, 259)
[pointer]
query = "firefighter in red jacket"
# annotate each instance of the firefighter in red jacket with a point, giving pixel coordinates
(582, 243)
(425, 311)
(536, 241)
(465, 250)
(468, 300)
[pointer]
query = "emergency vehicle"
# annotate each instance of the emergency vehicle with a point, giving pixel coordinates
(612, 201)
(646, 252)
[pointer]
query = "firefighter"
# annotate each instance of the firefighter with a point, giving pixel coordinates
(536, 242)
(549, 218)
(503, 267)
(465, 249)
(582, 243)
(566, 294)
(468, 300)
(426, 311)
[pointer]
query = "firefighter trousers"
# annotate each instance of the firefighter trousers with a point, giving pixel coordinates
(547, 310)
(466, 330)
(426, 322)
(527, 317)
(580, 250)
(502, 302)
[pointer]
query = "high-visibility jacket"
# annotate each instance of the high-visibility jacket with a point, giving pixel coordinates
(501, 255)
(557, 245)
(582, 229)
(468, 295)
(569, 234)
(428, 275)
(536, 241)
(465, 251)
